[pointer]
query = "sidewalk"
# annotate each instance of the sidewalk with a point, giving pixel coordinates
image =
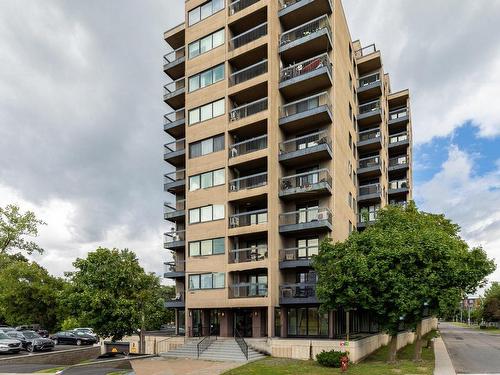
(181, 366)
(443, 361)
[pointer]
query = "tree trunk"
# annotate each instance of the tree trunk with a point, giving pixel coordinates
(393, 349)
(417, 355)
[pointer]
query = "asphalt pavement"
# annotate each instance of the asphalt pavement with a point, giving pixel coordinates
(24, 352)
(471, 351)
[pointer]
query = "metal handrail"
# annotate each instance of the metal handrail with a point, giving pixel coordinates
(398, 184)
(248, 182)
(287, 3)
(323, 99)
(248, 146)
(177, 145)
(174, 86)
(309, 140)
(168, 117)
(310, 27)
(398, 113)
(369, 79)
(248, 73)
(365, 51)
(248, 109)
(292, 253)
(398, 160)
(306, 66)
(366, 135)
(311, 214)
(249, 254)
(241, 343)
(178, 205)
(259, 290)
(205, 342)
(248, 36)
(370, 161)
(306, 179)
(369, 107)
(298, 290)
(239, 5)
(244, 218)
(174, 176)
(168, 56)
(403, 136)
(369, 189)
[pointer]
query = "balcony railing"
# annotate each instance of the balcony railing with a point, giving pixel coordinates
(306, 104)
(400, 137)
(248, 146)
(177, 145)
(398, 113)
(369, 107)
(239, 5)
(398, 184)
(248, 109)
(372, 161)
(176, 301)
(306, 66)
(178, 205)
(248, 36)
(174, 176)
(174, 236)
(174, 55)
(369, 189)
(306, 29)
(251, 254)
(306, 215)
(175, 266)
(369, 79)
(248, 182)
(399, 160)
(306, 180)
(287, 3)
(305, 142)
(366, 216)
(369, 134)
(248, 290)
(174, 86)
(174, 116)
(299, 290)
(248, 73)
(245, 219)
(365, 51)
(298, 253)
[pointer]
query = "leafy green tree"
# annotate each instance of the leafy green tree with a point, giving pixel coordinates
(15, 227)
(491, 303)
(70, 323)
(405, 265)
(111, 292)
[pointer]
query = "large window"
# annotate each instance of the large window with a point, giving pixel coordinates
(213, 246)
(307, 247)
(205, 10)
(206, 213)
(206, 78)
(307, 321)
(206, 146)
(206, 112)
(207, 281)
(207, 180)
(206, 44)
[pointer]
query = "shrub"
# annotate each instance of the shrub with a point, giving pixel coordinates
(330, 359)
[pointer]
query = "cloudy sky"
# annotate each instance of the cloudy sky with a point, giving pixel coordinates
(81, 114)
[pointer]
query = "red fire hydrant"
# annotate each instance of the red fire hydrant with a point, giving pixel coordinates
(344, 363)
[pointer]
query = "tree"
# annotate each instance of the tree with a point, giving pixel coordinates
(29, 294)
(15, 226)
(491, 303)
(110, 292)
(405, 265)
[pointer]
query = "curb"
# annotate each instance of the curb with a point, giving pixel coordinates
(443, 362)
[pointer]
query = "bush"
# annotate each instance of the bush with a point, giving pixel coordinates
(330, 359)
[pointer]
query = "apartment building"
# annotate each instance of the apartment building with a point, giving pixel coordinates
(282, 131)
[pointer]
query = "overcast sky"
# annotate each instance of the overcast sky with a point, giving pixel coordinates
(81, 114)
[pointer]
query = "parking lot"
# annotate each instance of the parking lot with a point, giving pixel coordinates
(24, 352)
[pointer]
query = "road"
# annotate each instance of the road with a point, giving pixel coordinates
(24, 352)
(471, 351)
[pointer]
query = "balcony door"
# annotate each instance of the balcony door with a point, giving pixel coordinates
(308, 212)
(243, 322)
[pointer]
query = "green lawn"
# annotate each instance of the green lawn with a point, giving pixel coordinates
(50, 370)
(373, 365)
(476, 327)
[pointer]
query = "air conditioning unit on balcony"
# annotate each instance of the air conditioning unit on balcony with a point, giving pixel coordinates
(322, 215)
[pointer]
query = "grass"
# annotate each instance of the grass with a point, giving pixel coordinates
(375, 364)
(476, 327)
(118, 373)
(50, 370)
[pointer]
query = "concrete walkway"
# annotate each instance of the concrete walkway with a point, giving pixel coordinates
(443, 361)
(181, 366)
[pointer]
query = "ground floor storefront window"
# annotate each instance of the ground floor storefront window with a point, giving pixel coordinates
(307, 321)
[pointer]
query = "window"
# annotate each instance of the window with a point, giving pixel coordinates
(207, 281)
(207, 247)
(206, 44)
(350, 140)
(349, 199)
(204, 11)
(307, 321)
(206, 146)
(307, 247)
(206, 213)
(207, 180)
(350, 227)
(206, 112)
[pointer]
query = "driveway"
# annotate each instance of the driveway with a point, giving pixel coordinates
(181, 366)
(471, 351)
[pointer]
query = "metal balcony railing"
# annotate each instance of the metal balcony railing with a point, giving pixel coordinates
(248, 36)
(369, 79)
(174, 236)
(369, 107)
(239, 5)
(179, 297)
(175, 55)
(248, 109)
(175, 266)
(248, 73)
(174, 176)
(177, 145)
(369, 189)
(365, 51)
(250, 254)
(366, 216)
(178, 205)
(299, 290)
(398, 113)
(301, 31)
(398, 160)
(174, 86)
(287, 3)
(398, 184)
(245, 219)
(368, 162)
(248, 146)
(174, 116)
(306, 66)
(400, 137)
(248, 290)
(248, 182)
(306, 104)
(298, 253)
(305, 180)
(305, 142)
(369, 134)
(306, 215)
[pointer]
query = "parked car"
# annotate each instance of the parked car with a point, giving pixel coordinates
(43, 333)
(87, 331)
(5, 329)
(32, 341)
(9, 345)
(73, 338)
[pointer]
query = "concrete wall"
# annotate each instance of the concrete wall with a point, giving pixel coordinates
(155, 344)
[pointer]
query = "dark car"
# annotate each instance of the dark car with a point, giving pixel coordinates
(8, 344)
(43, 333)
(32, 341)
(73, 338)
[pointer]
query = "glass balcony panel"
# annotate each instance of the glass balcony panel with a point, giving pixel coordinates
(305, 104)
(248, 146)
(249, 109)
(248, 218)
(305, 67)
(251, 254)
(248, 182)
(248, 73)
(239, 5)
(306, 29)
(248, 36)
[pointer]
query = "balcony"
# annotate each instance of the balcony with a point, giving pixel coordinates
(398, 186)
(369, 86)
(292, 12)
(174, 92)
(175, 182)
(178, 301)
(175, 211)
(248, 110)
(175, 269)
(297, 257)
(309, 39)
(369, 193)
(248, 290)
(369, 167)
(370, 112)
(302, 185)
(248, 73)
(175, 152)
(248, 36)
(399, 116)
(312, 111)
(248, 146)
(239, 5)
(306, 149)
(174, 63)
(369, 140)
(310, 75)
(301, 293)
(251, 254)
(174, 123)
(399, 142)
(174, 240)
(246, 219)
(307, 220)
(368, 59)
(367, 217)
(399, 163)
(248, 182)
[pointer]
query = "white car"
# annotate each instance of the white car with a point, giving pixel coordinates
(9, 345)
(87, 331)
